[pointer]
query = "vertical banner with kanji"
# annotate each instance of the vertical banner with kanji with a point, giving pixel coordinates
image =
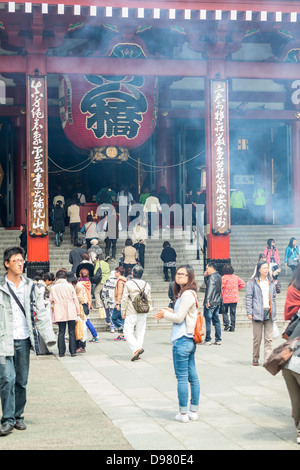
(37, 160)
(220, 157)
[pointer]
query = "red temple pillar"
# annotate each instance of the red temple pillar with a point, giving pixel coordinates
(165, 176)
(217, 163)
(296, 171)
(37, 164)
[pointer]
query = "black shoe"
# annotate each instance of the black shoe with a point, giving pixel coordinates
(20, 425)
(231, 329)
(137, 354)
(227, 328)
(5, 429)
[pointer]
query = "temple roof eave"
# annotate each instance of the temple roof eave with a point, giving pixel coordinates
(245, 10)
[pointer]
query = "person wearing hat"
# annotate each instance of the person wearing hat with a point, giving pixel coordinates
(94, 250)
(85, 263)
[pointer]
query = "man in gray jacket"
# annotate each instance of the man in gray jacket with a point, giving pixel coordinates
(18, 327)
(212, 303)
(133, 319)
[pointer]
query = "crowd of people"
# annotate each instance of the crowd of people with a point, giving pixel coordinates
(67, 212)
(123, 299)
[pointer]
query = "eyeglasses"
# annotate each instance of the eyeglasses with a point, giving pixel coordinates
(18, 261)
(181, 274)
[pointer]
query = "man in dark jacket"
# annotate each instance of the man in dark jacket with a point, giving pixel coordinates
(75, 255)
(212, 302)
(168, 256)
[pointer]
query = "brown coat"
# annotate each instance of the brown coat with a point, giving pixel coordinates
(119, 289)
(64, 300)
(130, 255)
(82, 299)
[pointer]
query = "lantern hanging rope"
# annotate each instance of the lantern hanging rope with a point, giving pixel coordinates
(70, 170)
(154, 168)
(163, 167)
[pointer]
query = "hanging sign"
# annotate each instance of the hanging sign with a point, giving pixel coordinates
(37, 151)
(220, 157)
(108, 111)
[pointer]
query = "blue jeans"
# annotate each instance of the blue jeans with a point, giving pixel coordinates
(91, 327)
(14, 372)
(109, 313)
(185, 370)
(58, 235)
(117, 319)
(212, 315)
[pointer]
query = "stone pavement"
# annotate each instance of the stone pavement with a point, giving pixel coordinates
(102, 400)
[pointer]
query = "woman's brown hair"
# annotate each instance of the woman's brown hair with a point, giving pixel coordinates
(191, 284)
(295, 282)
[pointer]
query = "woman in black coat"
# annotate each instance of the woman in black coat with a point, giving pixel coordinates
(58, 222)
(168, 256)
(23, 238)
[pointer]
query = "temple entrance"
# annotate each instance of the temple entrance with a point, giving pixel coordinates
(190, 158)
(260, 157)
(6, 174)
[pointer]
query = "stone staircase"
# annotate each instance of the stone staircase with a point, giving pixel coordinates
(186, 254)
(246, 243)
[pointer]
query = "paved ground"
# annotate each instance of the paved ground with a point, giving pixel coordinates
(101, 400)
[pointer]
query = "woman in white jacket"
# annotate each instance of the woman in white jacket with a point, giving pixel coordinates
(184, 318)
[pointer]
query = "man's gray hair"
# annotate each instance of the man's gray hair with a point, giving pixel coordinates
(138, 271)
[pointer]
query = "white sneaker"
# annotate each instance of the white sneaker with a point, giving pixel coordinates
(193, 415)
(207, 343)
(182, 418)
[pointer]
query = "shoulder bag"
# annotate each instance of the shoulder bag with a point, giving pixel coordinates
(198, 333)
(281, 355)
(32, 314)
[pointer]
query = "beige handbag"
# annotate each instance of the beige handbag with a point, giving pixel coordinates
(102, 313)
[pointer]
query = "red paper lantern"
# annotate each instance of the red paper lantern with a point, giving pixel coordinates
(99, 111)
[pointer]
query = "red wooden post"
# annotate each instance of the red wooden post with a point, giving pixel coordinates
(164, 177)
(20, 185)
(217, 169)
(37, 165)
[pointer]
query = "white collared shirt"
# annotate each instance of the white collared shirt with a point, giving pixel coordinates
(265, 287)
(20, 328)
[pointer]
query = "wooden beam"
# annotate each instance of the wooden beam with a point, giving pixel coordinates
(150, 67)
(270, 70)
(244, 96)
(110, 66)
(12, 64)
(251, 114)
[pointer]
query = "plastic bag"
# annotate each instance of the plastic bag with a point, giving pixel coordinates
(102, 313)
(275, 330)
(79, 329)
